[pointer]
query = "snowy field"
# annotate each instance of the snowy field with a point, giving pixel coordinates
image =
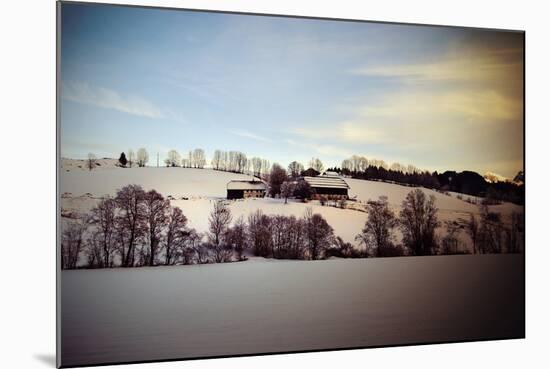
(120, 315)
(81, 189)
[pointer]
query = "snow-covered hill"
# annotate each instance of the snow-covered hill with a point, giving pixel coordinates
(494, 177)
(69, 165)
(195, 190)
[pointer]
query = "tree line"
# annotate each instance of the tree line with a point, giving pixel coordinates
(466, 182)
(359, 167)
(139, 228)
(418, 222)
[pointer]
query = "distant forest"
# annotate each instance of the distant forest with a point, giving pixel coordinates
(466, 182)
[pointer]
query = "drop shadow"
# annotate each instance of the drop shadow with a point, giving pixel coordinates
(48, 359)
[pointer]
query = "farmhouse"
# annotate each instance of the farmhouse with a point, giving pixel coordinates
(329, 185)
(245, 189)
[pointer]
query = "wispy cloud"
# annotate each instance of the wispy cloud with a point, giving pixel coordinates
(465, 66)
(82, 92)
(248, 134)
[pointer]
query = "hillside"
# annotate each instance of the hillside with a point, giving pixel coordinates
(70, 165)
(195, 190)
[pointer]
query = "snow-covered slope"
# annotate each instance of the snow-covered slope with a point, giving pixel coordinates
(494, 177)
(177, 182)
(69, 165)
(195, 190)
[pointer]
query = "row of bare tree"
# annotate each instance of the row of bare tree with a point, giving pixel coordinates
(133, 228)
(418, 222)
(137, 228)
(358, 163)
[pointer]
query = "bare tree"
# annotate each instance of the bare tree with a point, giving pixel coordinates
(131, 157)
(130, 221)
(418, 218)
(176, 234)
(316, 164)
(472, 228)
(295, 169)
(344, 249)
(219, 221)
(378, 163)
(491, 232)
(257, 166)
(217, 160)
(200, 250)
(296, 241)
(103, 218)
(411, 169)
(287, 189)
(397, 167)
(362, 164)
(347, 165)
(142, 157)
(190, 159)
(355, 163)
(72, 241)
(319, 234)
(199, 159)
(276, 179)
(156, 210)
(377, 234)
(94, 252)
(224, 165)
(173, 159)
(265, 168)
(236, 237)
(517, 235)
(241, 160)
(450, 244)
(259, 233)
(248, 169)
(91, 162)
(279, 236)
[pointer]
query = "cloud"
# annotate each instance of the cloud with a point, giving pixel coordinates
(476, 66)
(479, 105)
(82, 92)
(248, 134)
(477, 130)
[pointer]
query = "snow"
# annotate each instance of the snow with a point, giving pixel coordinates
(195, 190)
(346, 223)
(494, 177)
(177, 182)
(69, 165)
(156, 313)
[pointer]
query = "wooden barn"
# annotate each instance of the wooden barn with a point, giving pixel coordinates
(328, 185)
(245, 189)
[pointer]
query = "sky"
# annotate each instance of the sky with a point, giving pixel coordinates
(287, 89)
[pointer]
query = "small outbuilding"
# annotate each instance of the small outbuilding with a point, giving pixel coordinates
(245, 189)
(328, 185)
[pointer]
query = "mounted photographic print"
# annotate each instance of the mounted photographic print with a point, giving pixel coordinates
(240, 184)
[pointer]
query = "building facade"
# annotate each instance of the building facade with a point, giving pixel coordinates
(329, 186)
(245, 189)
